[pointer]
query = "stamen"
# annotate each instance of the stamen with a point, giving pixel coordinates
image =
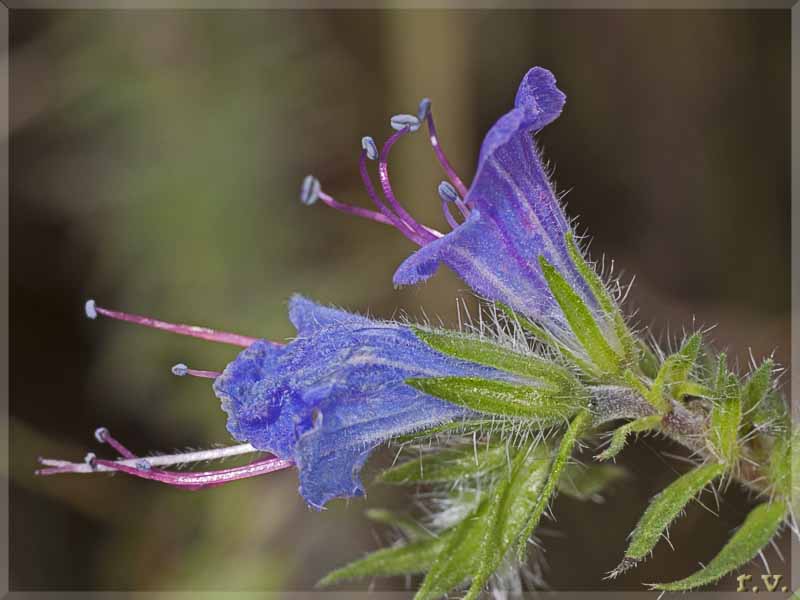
(181, 370)
(369, 146)
(448, 193)
(383, 173)
(447, 216)
(398, 223)
(203, 333)
(103, 435)
(144, 467)
(311, 192)
(425, 107)
(400, 122)
(196, 480)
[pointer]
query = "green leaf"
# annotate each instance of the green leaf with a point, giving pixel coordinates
(607, 304)
(663, 509)
(581, 321)
(585, 482)
(415, 557)
(726, 418)
(501, 398)
(621, 434)
(757, 530)
(493, 355)
(757, 386)
(565, 447)
(446, 465)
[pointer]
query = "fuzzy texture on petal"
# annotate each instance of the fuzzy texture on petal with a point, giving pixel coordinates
(516, 216)
(334, 393)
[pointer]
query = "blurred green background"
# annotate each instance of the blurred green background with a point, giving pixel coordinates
(156, 161)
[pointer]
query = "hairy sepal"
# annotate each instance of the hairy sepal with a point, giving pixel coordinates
(547, 405)
(625, 338)
(674, 373)
(491, 354)
(585, 482)
(726, 420)
(582, 322)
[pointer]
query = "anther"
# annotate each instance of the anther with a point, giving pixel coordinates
(309, 191)
(143, 465)
(91, 460)
(447, 192)
(90, 309)
(180, 370)
(369, 146)
(101, 434)
(400, 122)
(424, 109)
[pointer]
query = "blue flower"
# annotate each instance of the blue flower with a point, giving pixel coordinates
(334, 393)
(511, 214)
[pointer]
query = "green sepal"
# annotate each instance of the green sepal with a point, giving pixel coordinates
(547, 338)
(674, 370)
(581, 321)
(726, 419)
(607, 304)
(446, 465)
(757, 385)
(585, 482)
(620, 434)
(782, 463)
(465, 426)
(664, 508)
(415, 557)
(544, 404)
(491, 354)
(757, 530)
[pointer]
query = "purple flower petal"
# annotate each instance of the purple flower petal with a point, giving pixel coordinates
(327, 398)
(516, 216)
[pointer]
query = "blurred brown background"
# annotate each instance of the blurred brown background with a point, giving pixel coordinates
(156, 160)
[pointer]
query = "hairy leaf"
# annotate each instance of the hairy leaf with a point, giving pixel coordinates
(446, 465)
(458, 558)
(511, 503)
(664, 508)
(621, 434)
(757, 530)
(543, 404)
(493, 355)
(581, 421)
(780, 467)
(581, 320)
(415, 557)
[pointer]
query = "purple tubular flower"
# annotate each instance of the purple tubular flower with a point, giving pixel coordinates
(515, 217)
(330, 396)
(511, 213)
